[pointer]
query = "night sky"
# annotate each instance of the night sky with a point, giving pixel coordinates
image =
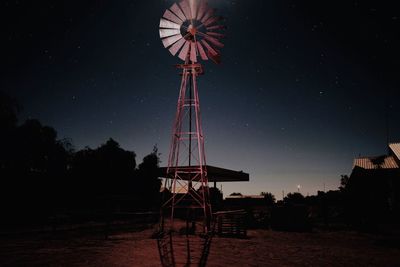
(304, 87)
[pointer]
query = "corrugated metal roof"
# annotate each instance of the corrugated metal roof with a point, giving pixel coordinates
(385, 162)
(395, 147)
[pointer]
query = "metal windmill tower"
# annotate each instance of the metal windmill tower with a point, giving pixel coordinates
(190, 30)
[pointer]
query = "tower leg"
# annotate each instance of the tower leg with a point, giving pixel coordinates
(187, 161)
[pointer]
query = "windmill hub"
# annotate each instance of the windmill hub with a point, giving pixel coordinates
(192, 30)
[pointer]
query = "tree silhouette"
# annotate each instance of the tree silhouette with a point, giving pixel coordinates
(269, 198)
(33, 169)
(344, 180)
(42, 176)
(8, 121)
(216, 198)
(101, 178)
(148, 179)
(9, 109)
(294, 198)
(37, 149)
(378, 161)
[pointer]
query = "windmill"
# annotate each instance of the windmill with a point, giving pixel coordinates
(191, 31)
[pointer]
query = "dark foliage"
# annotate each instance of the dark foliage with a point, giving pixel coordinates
(149, 190)
(344, 180)
(33, 167)
(42, 177)
(269, 199)
(8, 112)
(216, 198)
(294, 198)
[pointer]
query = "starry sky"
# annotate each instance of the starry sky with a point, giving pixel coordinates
(303, 88)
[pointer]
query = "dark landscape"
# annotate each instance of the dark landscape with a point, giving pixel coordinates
(100, 165)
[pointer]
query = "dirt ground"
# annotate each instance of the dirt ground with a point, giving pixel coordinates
(261, 248)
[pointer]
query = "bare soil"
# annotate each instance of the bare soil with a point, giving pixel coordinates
(261, 248)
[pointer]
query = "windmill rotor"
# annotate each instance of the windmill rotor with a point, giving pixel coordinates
(191, 30)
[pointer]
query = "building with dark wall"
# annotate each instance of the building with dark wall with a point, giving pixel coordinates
(373, 190)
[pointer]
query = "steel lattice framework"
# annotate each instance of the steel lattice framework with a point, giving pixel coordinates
(187, 159)
(190, 30)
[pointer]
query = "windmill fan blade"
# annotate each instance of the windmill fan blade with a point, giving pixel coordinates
(215, 57)
(193, 4)
(175, 48)
(168, 24)
(185, 50)
(193, 54)
(201, 51)
(178, 12)
(211, 21)
(172, 17)
(216, 27)
(209, 48)
(202, 10)
(212, 54)
(186, 9)
(216, 34)
(169, 32)
(171, 40)
(214, 41)
(208, 14)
